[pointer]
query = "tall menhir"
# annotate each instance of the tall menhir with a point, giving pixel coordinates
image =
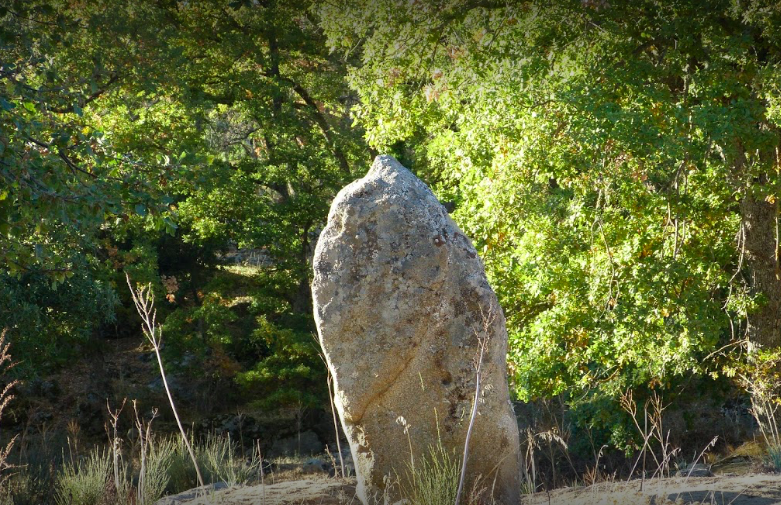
(402, 305)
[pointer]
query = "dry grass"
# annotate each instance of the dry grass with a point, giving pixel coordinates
(5, 398)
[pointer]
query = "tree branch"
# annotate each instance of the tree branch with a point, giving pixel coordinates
(321, 121)
(94, 96)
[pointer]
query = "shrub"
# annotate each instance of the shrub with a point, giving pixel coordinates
(56, 318)
(760, 376)
(156, 471)
(181, 472)
(84, 482)
(291, 374)
(774, 457)
(221, 463)
(216, 457)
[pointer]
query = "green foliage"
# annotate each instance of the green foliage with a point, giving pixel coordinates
(290, 374)
(196, 327)
(596, 153)
(243, 325)
(111, 161)
(594, 420)
(609, 159)
(50, 322)
(62, 175)
(84, 482)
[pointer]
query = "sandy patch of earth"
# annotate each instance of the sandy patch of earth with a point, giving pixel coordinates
(298, 492)
(749, 489)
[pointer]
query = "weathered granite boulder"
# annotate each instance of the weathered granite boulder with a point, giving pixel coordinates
(401, 303)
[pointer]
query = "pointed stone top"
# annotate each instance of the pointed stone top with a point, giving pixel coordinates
(388, 162)
(388, 168)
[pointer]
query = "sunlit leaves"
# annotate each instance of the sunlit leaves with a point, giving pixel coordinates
(591, 152)
(64, 176)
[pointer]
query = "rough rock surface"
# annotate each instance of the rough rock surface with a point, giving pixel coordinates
(401, 304)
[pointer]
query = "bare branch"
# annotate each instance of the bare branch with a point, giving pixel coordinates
(144, 300)
(482, 340)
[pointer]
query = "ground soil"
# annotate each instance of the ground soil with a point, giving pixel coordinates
(311, 491)
(749, 489)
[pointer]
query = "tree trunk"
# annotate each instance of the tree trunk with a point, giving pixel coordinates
(759, 220)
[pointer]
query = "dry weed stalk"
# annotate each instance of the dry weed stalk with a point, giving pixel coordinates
(710, 445)
(331, 395)
(652, 413)
(763, 408)
(533, 442)
(5, 398)
(144, 300)
(260, 472)
(482, 342)
(116, 441)
(761, 379)
(144, 438)
(592, 475)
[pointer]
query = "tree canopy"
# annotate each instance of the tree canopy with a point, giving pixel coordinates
(617, 163)
(150, 137)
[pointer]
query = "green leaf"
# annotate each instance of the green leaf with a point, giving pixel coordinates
(170, 226)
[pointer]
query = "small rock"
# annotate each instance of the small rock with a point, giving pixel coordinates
(306, 444)
(697, 470)
(313, 465)
(191, 494)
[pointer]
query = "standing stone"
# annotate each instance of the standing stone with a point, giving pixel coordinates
(401, 303)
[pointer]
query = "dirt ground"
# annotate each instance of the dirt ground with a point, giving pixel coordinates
(750, 489)
(314, 491)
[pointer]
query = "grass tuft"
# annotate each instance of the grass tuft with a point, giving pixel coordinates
(773, 457)
(433, 480)
(216, 457)
(84, 482)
